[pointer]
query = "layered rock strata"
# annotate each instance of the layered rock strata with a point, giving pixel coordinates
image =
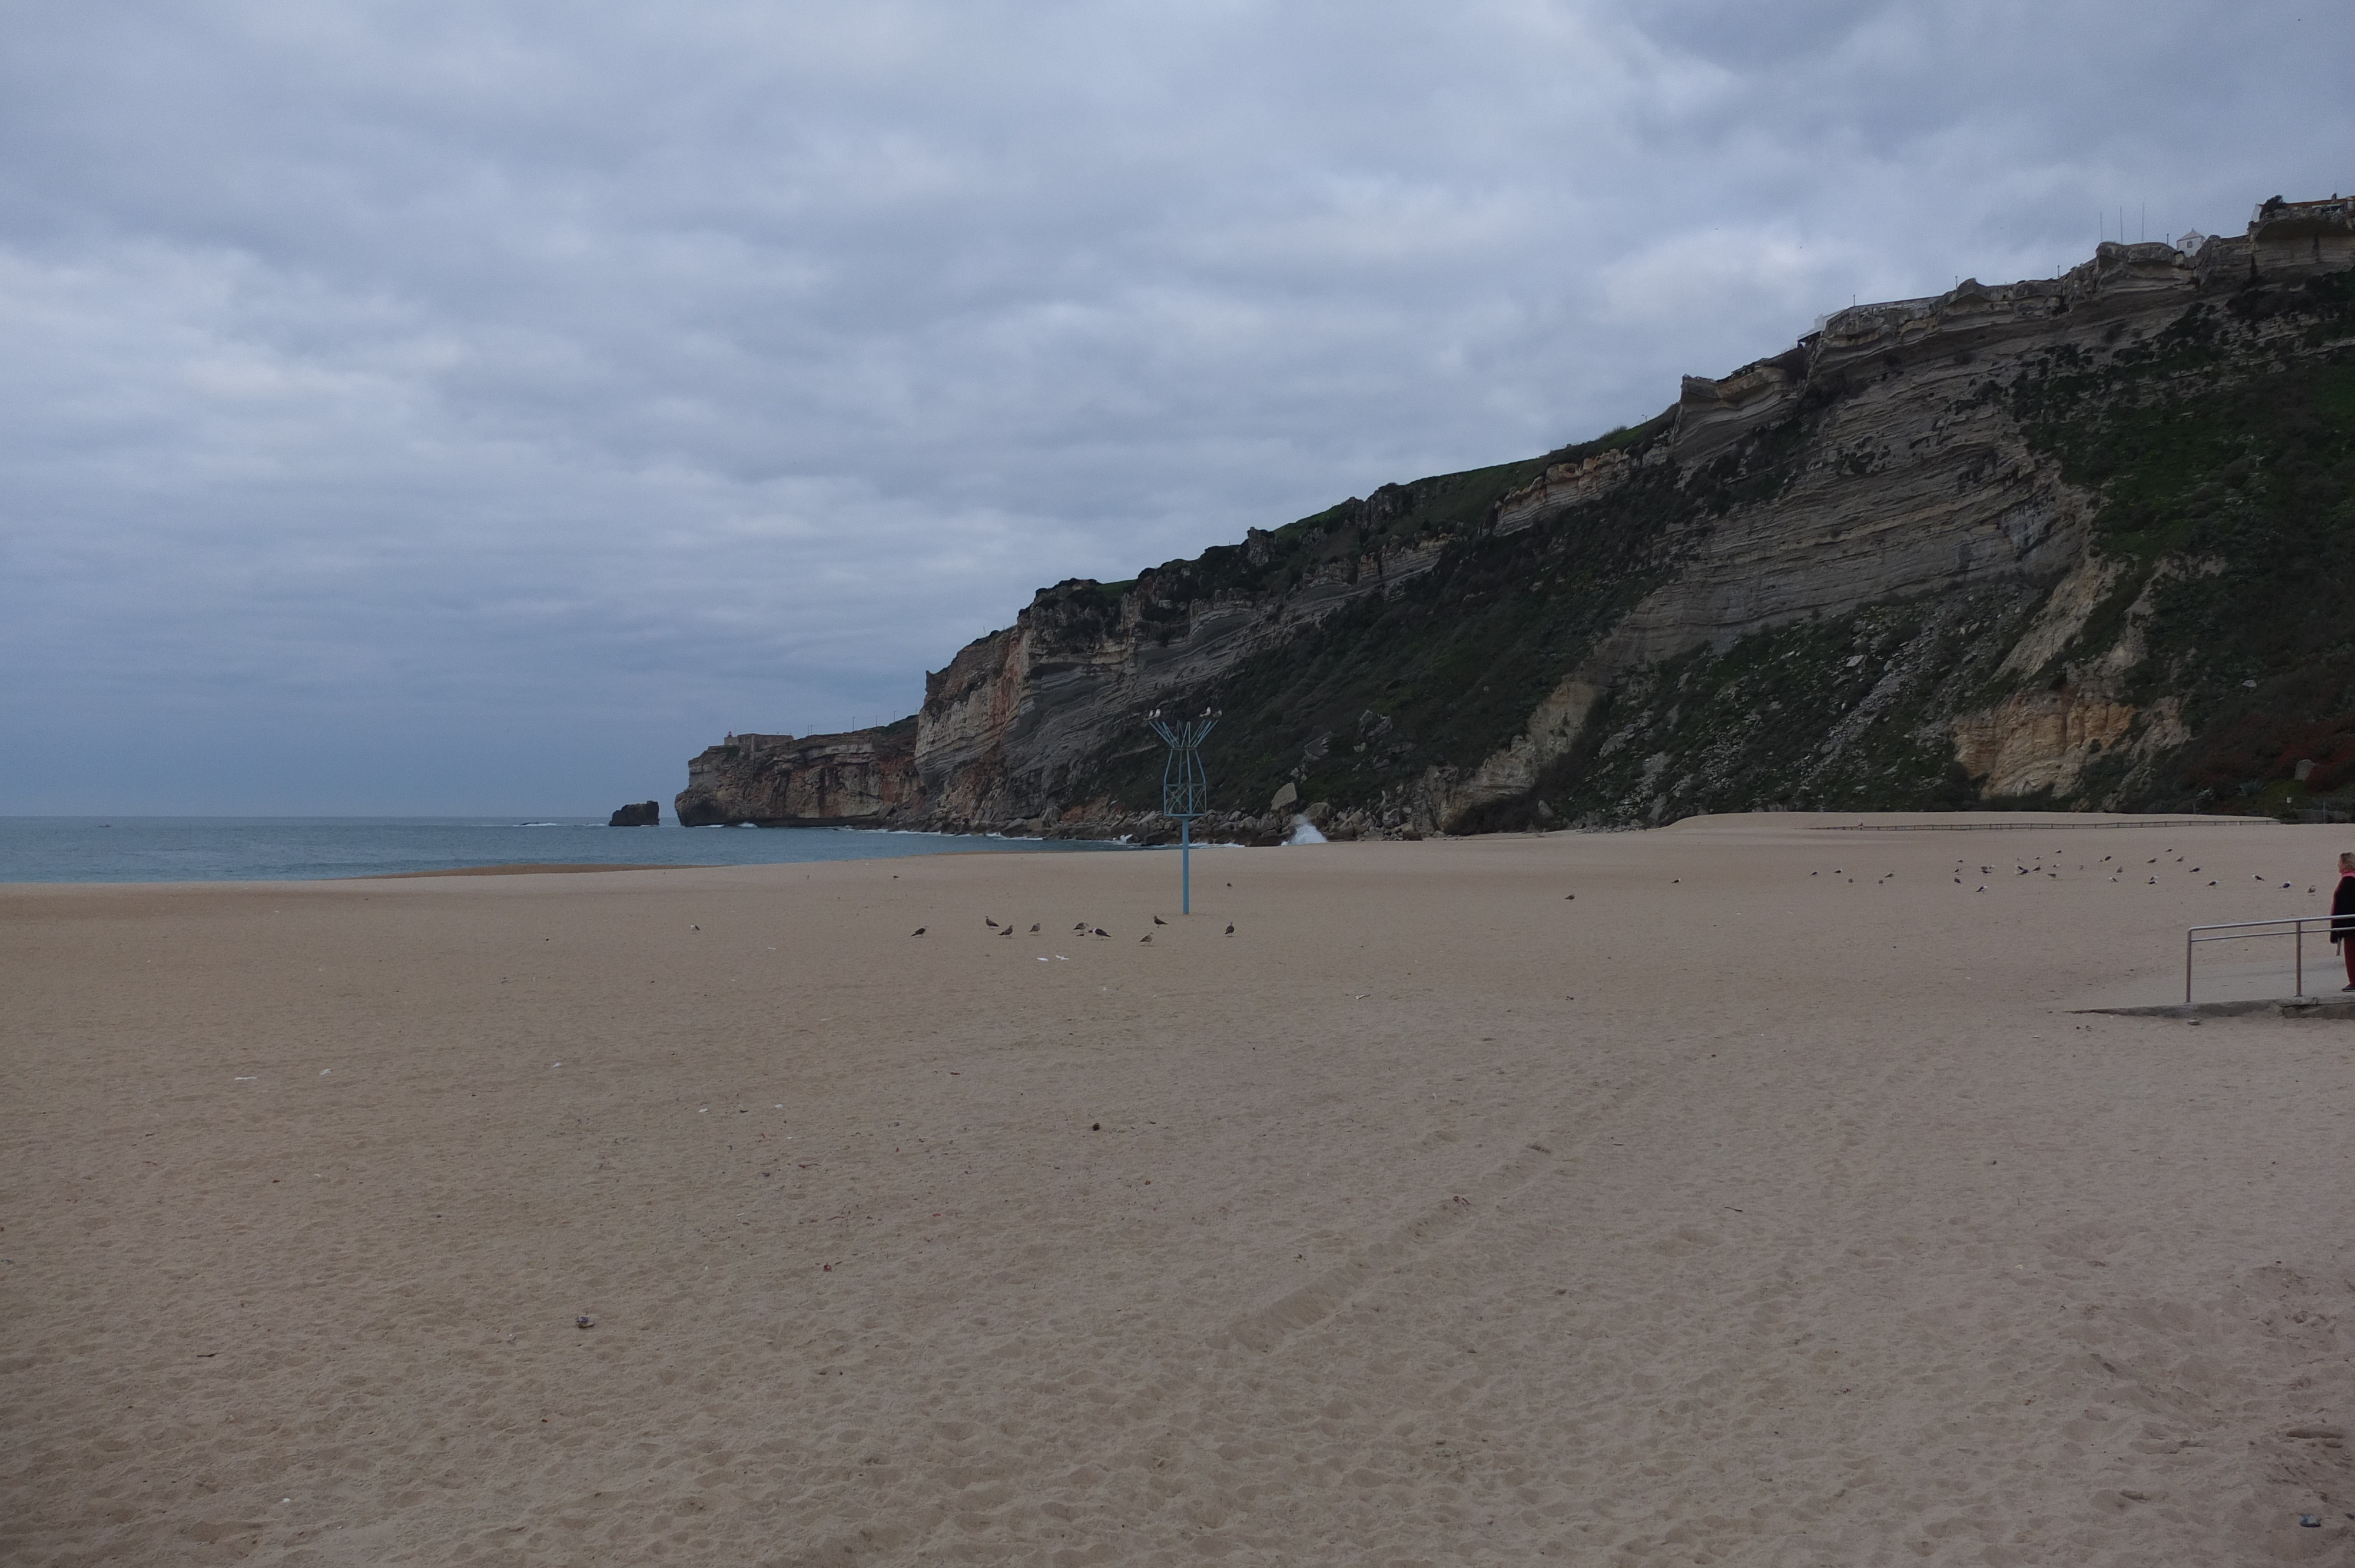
(1887, 513)
(863, 778)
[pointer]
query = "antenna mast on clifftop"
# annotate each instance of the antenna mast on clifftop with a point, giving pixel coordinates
(1185, 788)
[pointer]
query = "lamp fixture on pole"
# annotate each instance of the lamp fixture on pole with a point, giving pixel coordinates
(1185, 788)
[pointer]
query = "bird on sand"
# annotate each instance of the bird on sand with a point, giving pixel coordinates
(1102, 932)
(987, 921)
(1160, 921)
(1008, 932)
(1148, 935)
(917, 932)
(1231, 930)
(1034, 927)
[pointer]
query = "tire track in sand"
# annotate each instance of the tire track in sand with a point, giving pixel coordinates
(1305, 1307)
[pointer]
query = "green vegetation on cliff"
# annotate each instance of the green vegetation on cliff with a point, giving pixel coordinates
(2226, 470)
(1831, 713)
(1445, 668)
(2222, 453)
(1445, 665)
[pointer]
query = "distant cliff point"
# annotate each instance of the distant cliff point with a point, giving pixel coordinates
(2084, 541)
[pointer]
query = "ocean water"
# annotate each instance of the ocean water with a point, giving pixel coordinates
(255, 849)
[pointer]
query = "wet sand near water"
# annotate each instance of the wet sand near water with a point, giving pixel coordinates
(1738, 1192)
(531, 868)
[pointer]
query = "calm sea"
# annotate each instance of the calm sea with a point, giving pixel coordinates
(255, 849)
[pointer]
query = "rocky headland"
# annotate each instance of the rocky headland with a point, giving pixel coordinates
(867, 778)
(2085, 542)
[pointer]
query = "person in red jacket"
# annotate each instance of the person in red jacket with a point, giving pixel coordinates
(2342, 916)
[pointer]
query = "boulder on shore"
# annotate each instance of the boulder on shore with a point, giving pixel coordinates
(646, 814)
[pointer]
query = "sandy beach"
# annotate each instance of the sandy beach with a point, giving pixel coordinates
(1749, 1192)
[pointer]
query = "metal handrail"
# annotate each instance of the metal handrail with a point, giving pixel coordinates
(2291, 925)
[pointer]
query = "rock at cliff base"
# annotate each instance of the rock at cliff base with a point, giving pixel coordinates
(644, 814)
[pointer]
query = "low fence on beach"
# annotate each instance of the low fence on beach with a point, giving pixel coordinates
(2294, 927)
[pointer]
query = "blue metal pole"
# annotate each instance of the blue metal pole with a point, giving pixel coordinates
(1186, 865)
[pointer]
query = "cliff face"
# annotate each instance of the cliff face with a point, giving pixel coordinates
(1017, 731)
(1994, 545)
(864, 779)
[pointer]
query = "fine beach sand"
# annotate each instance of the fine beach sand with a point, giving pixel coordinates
(1723, 1213)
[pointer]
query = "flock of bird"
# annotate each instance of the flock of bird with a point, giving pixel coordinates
(1082, 928)
(2119, 870)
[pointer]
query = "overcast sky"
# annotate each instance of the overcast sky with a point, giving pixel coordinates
(484, 407)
